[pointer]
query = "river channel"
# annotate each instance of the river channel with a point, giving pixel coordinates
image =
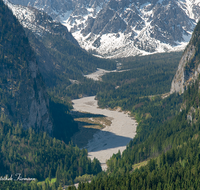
(112, 138)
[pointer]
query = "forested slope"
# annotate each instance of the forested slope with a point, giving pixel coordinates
(60, 60)
(167, 157)
(40, 156)
(165, 152)
(58, 54)
(141, 76)
(146, 76)
(23, 94)
(23, 97)
(31, 150)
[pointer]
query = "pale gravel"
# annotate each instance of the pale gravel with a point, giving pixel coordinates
(112, 138)
(100, 72)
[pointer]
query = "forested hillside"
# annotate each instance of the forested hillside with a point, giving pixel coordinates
(31, 149)
(143, 76)
(165, 158)
(60, 58)
(146, 76)
(23, 94)
(165, 152)
(23, 97)
(40, 156)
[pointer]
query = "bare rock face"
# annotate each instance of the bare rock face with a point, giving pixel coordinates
(35, 102)
(181, 76)
(189, 67)
(29, 104)
(23, 95)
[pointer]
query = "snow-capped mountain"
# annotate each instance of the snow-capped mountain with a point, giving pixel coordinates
(120, 28)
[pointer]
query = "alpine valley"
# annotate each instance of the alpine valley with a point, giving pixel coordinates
(60, 59)
(121, 28)
(46, 49)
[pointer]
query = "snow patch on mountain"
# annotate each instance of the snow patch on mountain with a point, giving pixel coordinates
(27, 18)
(115, 28)
(138, 40)
(187, 6)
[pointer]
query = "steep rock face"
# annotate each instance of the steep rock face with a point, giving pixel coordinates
(181, 76)
(121, 28)
(23, 95)
(189, 67)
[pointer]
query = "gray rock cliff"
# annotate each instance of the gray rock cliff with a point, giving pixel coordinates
(189, 65)
(23, 95)
(181, 78)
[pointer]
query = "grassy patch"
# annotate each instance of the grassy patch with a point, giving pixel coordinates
(138, 165)
(83, 178)
(88, 125)
(50, 182)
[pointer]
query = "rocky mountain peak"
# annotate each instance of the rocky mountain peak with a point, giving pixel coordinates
(139, 27)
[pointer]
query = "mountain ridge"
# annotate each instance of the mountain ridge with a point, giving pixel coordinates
(114, 28)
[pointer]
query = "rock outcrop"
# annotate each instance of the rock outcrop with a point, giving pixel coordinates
(23, 95)
(189, 65)
(181, 76)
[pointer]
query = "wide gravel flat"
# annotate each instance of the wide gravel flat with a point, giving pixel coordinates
(112, 138)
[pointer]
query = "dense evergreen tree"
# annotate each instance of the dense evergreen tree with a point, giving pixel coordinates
(166, 151)
(35, 155)
(40, 156)
(146, 76)
(163, 155)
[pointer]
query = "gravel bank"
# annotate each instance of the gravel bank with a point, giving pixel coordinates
(112, 138)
